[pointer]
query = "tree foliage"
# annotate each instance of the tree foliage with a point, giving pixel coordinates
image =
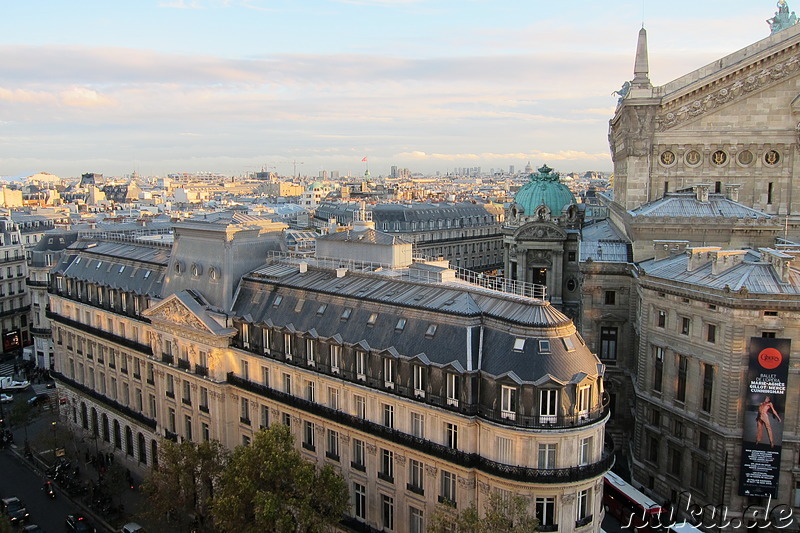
(268, 486)
(182, 486)
(21, 415)
(509, 515)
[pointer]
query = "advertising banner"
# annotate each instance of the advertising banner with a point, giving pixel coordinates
(765, 399)
(11, 340)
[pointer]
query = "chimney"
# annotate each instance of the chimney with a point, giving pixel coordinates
(303, 267)
(732, 192)
(723, 260)
(701, 190)
(699, 256)
(340, 272)
(780, 261)
(665, 248)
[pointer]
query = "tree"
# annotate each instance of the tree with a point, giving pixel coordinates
(268, 486)
(22, 414)
(182, 486)
(499, 514)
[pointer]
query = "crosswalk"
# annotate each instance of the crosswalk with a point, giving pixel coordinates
(7, 369)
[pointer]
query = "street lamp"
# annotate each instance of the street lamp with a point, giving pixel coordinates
(53, 424)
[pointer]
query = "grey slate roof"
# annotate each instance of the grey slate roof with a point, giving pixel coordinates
(687, 205)
(366, 236)
(757, 276)
(601, 241)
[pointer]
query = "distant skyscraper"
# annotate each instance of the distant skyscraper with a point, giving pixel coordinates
(511, 169)
(394, 171)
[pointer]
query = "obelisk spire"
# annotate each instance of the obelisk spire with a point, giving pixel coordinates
(641, 69)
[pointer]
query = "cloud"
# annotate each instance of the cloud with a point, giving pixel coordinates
(83, 97)
(564, 155)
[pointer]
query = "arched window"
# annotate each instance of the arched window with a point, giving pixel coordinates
(95, 427)
(142, 449)
(128, 441)
(154, 453)
(84, 416)
(104, 421)
(117, 435)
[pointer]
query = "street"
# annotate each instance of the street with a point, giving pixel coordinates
(18, 480)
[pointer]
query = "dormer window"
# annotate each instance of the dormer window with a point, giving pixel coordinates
(146, 274)
(419, 381)
(544, 346)
(401, 324)
(277, 302)
(321, 309)
(99, 264)
(372, 319)
(519, 344)
(568, 344)
(346, 314)
(508, 403)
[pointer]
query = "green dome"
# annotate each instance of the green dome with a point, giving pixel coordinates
(544, 188)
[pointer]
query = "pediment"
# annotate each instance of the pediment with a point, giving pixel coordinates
(187, 310)
(173, 311)
(540, 232)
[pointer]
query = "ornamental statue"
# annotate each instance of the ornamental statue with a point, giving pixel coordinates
(782, 18)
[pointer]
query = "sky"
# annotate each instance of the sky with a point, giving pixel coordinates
(235, 86)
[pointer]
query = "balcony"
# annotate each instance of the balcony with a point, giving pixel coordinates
(201, 370)
(332, 456)
(309, 447)
(169, 359)
(583, 521)
(170, 435)
(358, 466)
(116, 339)
(170, 394)
(204, 408)
(447, 501)
(468, 460)
(547, 527)
(386, 477)
(415, 489)
(184, 364)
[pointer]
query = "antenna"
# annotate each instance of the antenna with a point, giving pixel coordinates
(643, 2)
(295, 163)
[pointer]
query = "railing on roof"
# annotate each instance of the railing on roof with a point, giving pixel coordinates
(137, 236)
(478, 279)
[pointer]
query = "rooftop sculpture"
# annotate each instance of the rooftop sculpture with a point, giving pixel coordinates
(782, 19)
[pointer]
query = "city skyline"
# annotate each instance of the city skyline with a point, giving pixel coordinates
(235, 86)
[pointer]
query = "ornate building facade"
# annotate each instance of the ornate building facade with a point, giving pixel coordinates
(418, 387)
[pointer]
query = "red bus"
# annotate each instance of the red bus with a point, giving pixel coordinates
(629, 506)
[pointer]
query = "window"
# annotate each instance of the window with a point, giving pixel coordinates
(205, 431)
(519, 344)
(372, 319)
(245, 414)
(360, 497)
(585, 451)
(548, 403)
(699, 474)
(418, 425)
(568, 344)
(310, 391)
(608, 343)
(652, 449)
(544, 346)
(416, 520)
(333, 398)
(451, 435)
(546, 511)
(505, 451)
(321, 309)
(453, 389)
(680, 393)
(658, 367)
(400, 326)
(431, 331)
(346, 314)
(204, 399)
(711, 333)
(187, 426)
(336, 357)
(708, 387)
(170, 386)
(419, 380)
(287, 383)
(389, 373)
(358, 455)
(308, 435)
(311, 356)
(508, 402)
(611, 297)
(387, 466)
(361, 365)
(187, 393)
(448, 491)
(547, 456)
(265, 376)
(686, 325)
(387, 512)
(584, 506)
(333, 445)
(415, 476)
(266, 339)
(264, 416)
(287, 345)
(702, 441)
(661, 318)
(360, 406)
(675, 461)
(277, 302)
(584, 401)
(768, 334)
(388, 415)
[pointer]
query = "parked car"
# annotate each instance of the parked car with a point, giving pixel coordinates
(6, 398)
(132, 527)
(39, 400)
(33, 528)
(15, 510)
(79, 523)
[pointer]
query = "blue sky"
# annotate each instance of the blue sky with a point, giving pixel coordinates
(233, 85)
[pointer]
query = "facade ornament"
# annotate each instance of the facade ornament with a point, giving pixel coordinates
(295, 420)
(483, 487)
(622, 92)
(319, 429)
(782, 18)
(372, 449)
(345, 437)
(401, 459)
(466, 482)
(274, 413)
(431, 470)
(568, 498)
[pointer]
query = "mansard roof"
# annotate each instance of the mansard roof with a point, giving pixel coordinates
(686, 204)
